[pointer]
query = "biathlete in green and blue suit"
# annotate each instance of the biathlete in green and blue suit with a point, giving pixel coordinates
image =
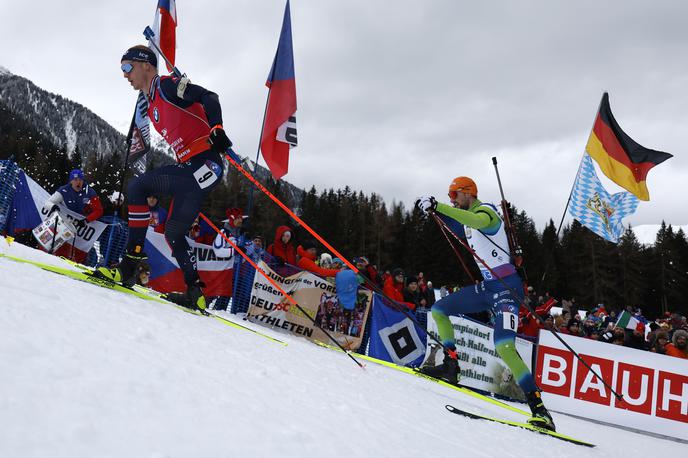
(501, 290)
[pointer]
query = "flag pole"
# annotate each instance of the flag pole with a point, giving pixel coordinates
(568, 201)
(122, 176)
(249, 206)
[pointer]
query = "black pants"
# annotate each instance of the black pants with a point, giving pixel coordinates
(189, 183)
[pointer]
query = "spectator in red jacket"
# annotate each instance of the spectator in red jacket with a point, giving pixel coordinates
(307, 255)
(394, 287)
(283, 246)
(679, 345)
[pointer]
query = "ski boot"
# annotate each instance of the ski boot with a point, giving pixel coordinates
(541, 417)
(193, 298)
(447, 371)
(124, 272)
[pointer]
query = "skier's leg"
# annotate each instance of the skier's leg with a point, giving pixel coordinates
(505, 309)
(466, 300)
(199, 176)
(157, 181)
(182, 216)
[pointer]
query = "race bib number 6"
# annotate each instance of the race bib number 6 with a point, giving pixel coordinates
(510, 321)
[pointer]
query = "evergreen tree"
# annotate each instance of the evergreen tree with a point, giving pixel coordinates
(630, 268)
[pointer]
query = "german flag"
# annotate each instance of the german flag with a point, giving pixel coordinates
(623, 160)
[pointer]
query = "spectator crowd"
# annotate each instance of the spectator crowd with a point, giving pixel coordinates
(666, 335)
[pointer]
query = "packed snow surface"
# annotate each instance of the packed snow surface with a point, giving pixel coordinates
(90, 372)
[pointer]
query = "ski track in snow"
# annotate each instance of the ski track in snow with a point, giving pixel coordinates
(87, 372)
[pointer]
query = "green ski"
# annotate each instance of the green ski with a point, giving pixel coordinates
(517, 424)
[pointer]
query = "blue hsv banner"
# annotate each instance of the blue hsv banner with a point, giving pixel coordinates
(394, 337)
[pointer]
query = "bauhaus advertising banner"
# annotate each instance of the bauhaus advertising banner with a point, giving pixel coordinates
(654, 387)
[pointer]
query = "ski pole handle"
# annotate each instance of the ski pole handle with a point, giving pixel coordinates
(150, 36)
(148, 33)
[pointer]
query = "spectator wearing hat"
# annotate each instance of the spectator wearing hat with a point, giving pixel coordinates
(394, 287)
(158, 215)
(233, 222)
(232, 230)
(412, 293)
(255, 248)
(678, 347)
(307, 254)
(572, 328)
(366, 270)
(636, 338)
(429, 294)
(283, 248)
(676, 322)
(79, 197)
(661, 339)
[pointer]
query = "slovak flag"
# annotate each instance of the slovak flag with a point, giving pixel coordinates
(165, 26)
(279, 126)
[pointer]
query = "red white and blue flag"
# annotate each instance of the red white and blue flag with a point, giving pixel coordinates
(279, 126)
(164, 26)
(214, 267)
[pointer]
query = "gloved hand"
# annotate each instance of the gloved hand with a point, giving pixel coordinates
(80, 223)
(426, 204)
(218, 139)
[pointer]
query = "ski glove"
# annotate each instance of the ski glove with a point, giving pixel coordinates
(218, 139)
(426, 204)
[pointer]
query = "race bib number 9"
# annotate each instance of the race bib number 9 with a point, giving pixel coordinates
(205, 175)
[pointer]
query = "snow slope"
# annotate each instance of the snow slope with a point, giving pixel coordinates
(85, 372)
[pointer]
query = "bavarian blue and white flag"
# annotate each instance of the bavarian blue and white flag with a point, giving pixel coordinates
(594, 208)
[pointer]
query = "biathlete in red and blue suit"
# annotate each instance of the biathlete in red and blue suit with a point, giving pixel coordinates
(189, 118)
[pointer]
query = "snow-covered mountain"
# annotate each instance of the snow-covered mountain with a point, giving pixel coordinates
(86, 371)
(67, 124)
(647, 233)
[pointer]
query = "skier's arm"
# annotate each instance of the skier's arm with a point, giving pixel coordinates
(478, 220)
(194, 94)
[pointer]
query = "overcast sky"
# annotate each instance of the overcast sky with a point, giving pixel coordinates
(399, 97)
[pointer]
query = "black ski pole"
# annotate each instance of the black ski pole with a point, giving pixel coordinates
(511, 235)
(530, 309)
(52, 245)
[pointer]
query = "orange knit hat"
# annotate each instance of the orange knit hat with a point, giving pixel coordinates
(463, 184)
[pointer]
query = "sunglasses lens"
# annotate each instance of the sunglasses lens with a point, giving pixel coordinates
(127, 68)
